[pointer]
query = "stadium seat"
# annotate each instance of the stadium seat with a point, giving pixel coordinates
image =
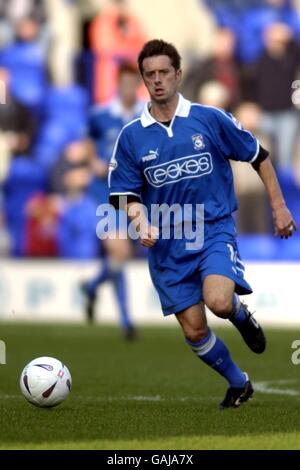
(257, 247)
(289, 250)
(65, 103)
(52, 139)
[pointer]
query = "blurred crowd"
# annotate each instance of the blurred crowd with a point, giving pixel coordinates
(69, 83)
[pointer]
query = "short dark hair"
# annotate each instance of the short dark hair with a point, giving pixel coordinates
(159, 47)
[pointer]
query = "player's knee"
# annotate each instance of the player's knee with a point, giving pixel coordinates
(196, 334)
(220, 306)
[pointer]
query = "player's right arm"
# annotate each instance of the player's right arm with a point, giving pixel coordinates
(148, 234)
(125, 183)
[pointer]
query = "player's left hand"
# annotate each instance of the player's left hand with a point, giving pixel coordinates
(283, 222)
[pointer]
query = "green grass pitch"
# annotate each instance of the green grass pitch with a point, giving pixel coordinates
(150, 394)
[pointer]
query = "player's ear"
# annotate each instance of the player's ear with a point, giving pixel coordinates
(179, 75)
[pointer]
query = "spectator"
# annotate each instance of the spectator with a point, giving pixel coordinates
(11, 11)
(26, 62)
(76, 154)
(272, 78)
(24, 179)
(220, 67)
(248, 186)
(248, 20)
(116, 35)
(40, 237)
(214, 94)
(77, 234)
(14, 118)
(70, 178)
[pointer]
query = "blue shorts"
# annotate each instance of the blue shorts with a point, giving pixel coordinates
(178, 275)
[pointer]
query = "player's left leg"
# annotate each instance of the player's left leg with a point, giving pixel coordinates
(213, 352)
(220, 298)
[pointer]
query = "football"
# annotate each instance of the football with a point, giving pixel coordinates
(45, 382)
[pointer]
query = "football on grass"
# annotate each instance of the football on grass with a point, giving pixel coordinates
(45, 382)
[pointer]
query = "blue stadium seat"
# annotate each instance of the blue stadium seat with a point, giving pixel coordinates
(53, 138)
(289, 250)
(257, 247)
(65, 103)
(268, 248)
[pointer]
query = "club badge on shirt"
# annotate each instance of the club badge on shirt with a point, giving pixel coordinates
(198, 141)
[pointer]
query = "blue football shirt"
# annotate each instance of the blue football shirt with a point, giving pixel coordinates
(185, 163)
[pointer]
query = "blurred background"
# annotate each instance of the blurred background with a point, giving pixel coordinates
(68, 84)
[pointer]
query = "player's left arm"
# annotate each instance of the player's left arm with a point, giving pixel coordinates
(282, 218)
(241, 145)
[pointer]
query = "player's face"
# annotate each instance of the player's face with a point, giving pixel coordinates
(161, 78)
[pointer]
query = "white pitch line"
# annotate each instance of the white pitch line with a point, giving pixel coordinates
(155, 398)
(267, 387)
(10, 397)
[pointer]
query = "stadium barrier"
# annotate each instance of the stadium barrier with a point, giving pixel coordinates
(49, 291)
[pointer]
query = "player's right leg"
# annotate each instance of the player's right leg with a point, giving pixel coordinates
(213, 352)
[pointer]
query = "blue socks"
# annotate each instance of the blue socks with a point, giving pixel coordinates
(102, 276)
(215, 354)
(120, 287)
(116, 275)
(239, 314)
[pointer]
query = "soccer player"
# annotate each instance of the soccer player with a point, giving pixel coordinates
(105, 124)
(178, 152)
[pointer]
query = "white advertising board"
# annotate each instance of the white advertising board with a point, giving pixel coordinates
(49, 291)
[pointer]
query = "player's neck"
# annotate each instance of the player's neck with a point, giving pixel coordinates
(164, 112)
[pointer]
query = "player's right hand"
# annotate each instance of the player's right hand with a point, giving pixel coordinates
(149, 236)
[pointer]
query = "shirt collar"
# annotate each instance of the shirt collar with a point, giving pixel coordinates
(182, 110)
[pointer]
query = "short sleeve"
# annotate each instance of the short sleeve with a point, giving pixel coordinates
(236, 143)
(124, 176)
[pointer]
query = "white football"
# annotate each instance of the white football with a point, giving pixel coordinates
(45, 382)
